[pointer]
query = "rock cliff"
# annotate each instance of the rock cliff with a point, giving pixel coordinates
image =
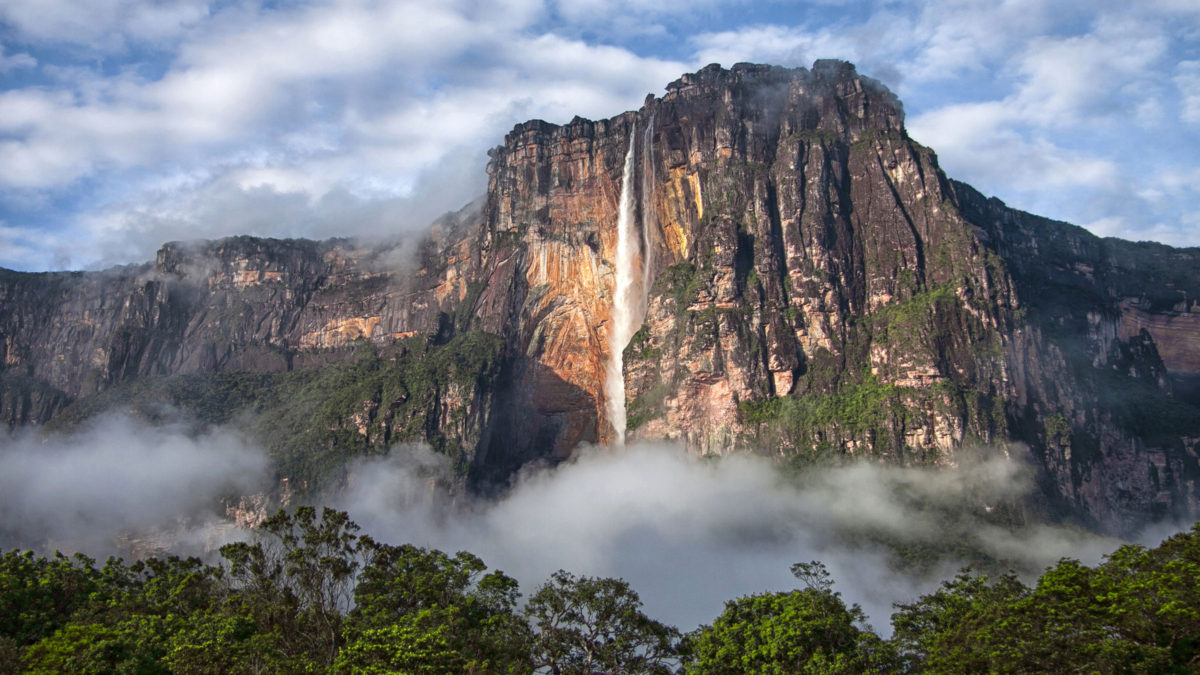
(810, 285)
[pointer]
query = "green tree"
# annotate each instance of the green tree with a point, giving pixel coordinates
(419, 642)
(38, 595)
(587, 625)
(427, 601)
(224, 640)
(803, 631)
(937, 632)
(131, 646)
(1151, 600)
(297, 581)
(1137, 612)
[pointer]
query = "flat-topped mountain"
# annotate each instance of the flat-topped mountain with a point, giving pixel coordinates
(779, 267)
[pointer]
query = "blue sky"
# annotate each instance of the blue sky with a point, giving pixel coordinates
(128, 123)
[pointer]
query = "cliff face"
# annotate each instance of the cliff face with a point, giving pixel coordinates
(1104, 363)
(799, 243)
(817, 288)
(235, 304)
(812, 287)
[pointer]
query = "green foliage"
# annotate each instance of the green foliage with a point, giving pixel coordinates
(587, 625)
(910, 315)
(857, 408)
(869, 137)
(308, 420)
(1144, 409)
(449, 607)
(224, 640)
(648, 405)
(465, 310)
(803, 631)
(1139, 611)
(681, 282)
(752, 279)
(502, 239)
(282, 603)
(299, 579)
(934, 632)
(413, 643)
(1058, 431)
(94, 648)
(814, 136)
(640, 346)
(39, 595)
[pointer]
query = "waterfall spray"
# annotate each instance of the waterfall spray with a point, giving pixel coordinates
(625, 301)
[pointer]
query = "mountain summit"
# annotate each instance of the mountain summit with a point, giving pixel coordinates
(762, 257)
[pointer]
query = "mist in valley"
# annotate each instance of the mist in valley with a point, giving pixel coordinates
(687, 532)
(118, 486)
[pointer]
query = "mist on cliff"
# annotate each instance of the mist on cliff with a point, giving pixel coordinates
(121, 487)
(690, 533)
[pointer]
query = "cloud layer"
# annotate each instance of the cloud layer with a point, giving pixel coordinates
(120, 485)
(124, 123)
(690, 533)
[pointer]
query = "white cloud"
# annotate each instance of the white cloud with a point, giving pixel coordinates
(1123, 227)
(873, 45)
(297, 103)
(108, 25)
(27, 248)
(1187, 79)
(357, 98)
(118, 478)
(1177, 182)
(9, 62)
(966, 38)
(592, 11)
(979, 141)
(1076, 98)
(690, 533)
(1101, 75)
(782, 45)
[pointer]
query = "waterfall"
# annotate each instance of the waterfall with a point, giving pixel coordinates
(625, 300)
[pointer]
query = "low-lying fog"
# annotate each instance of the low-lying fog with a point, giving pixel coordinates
(688, 533)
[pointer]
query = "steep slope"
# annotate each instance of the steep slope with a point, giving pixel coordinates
(818, 288)
(809, 282)
(323, 350)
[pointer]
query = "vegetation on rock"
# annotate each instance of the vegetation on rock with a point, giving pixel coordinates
(312, 421)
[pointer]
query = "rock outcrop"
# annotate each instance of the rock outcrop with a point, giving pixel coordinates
(814, 288)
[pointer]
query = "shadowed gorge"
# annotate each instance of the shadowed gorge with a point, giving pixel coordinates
(817, 290)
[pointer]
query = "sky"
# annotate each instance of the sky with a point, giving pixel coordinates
(128, 123)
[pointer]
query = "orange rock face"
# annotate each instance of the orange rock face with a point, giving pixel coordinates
(1176, 332)
(339, 332)
(556, 190)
